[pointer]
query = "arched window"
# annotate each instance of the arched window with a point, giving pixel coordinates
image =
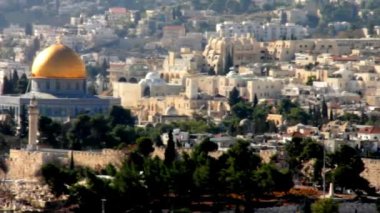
(146, 92)
(133, 80)
(122, 79)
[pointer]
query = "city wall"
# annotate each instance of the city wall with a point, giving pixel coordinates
(23, 164)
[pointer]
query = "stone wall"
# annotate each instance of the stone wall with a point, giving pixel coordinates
(372, 171)
(97, 160)
(24, 164)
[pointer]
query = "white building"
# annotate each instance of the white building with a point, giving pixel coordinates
(262, 32)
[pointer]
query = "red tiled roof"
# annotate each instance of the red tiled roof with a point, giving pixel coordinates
(174, 27)
(370, 130)
(118, 10)
(297, 135)
(349, 58)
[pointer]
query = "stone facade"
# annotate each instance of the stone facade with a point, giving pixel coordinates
(25, 164)
(372, 171)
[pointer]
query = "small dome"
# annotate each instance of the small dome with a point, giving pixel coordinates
(152, 76)
(244, 122)
(58, 61)
(232, 74)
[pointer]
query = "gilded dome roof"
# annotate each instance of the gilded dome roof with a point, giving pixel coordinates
(58, 61)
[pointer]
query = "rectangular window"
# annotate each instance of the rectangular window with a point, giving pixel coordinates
(57, 85)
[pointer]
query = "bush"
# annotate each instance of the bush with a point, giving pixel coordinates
(326, 205)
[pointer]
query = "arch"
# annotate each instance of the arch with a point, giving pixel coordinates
(122, 79)
(162, 76)
(146, 92)
(133, 80)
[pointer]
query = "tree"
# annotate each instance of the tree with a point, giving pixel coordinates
(325, 206)
(238, 174)
(310, 80)
(15, 80)
(22, 84)
(234, 97)
(228, 63)
(99, 133)
(331, 115)
(324, 111)
(123, 134)
(23, 130)
(78, 134)
(242, 110)
(50, 132)
(144, 146)
(207, 146)
(7, 86)
(348, 163)
(255, 100)
(170, 151)
(269, 179)
(119, 115)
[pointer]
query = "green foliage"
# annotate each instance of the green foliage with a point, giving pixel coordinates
(119, 115)
(302, 150)
(345, 11)
(143, 184)
(325, 206)
(242, 110)
(349, 164)
(57, 178)
(206, 146)
(270, 179)
(310, 80)
(297, 115)
(50, 131)
(255, 100)
(170, 151)
(228, 63)
(145, 146)
(234, 97)
(15, 85)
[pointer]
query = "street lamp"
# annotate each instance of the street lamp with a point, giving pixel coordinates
(103, 205)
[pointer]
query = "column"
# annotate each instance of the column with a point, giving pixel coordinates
(33, 124)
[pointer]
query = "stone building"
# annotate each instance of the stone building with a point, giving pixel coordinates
(176, 66)
(240, 50)
(58, 82)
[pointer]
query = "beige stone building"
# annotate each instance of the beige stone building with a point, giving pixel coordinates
(132, 70)
(150, 86)
(242, 50)
(176, 66)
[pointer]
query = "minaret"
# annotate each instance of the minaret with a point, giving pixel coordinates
(33, 124)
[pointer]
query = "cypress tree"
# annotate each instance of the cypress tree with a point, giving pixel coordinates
(234, 97)
(6, 85)
(331, 115)
(255, 100)
(229, 63)
(170, 152)
(324, 110)
(22, 84)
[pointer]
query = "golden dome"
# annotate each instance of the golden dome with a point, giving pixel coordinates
(58, 61)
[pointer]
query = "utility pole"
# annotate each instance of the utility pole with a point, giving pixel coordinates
(324, 170)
